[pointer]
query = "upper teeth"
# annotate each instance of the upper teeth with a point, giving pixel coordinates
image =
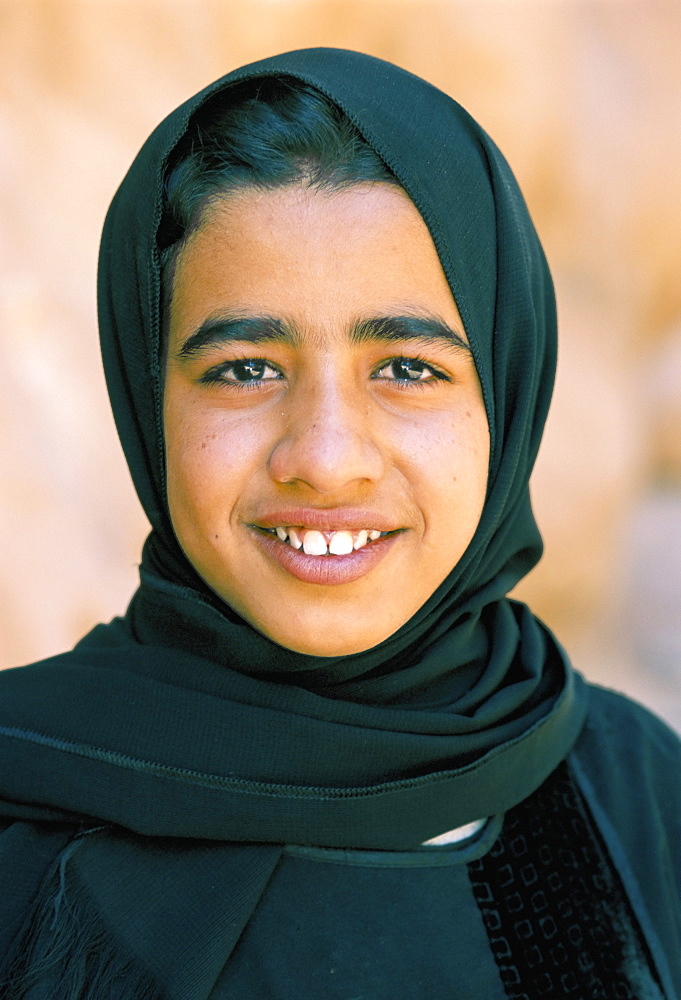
(321, 543)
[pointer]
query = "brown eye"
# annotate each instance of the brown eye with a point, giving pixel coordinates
(248, 371)
(408, 370)
(242, 372)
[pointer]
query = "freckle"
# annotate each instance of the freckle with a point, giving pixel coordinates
(468, 413)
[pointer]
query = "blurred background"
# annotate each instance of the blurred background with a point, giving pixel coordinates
(584, 98)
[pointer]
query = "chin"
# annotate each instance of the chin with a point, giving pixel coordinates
(331, 625)
(327, 638)
(316, 648)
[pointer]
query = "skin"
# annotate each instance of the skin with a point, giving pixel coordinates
(325, 422)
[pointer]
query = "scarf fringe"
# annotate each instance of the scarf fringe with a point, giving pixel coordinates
(66, 952)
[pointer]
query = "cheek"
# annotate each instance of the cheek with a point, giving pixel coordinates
(453, 471)
(449, 454)
(210, 456)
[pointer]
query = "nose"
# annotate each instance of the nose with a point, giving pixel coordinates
(327, 441)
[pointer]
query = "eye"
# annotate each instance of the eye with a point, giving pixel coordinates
(242, 372)
(408, 370)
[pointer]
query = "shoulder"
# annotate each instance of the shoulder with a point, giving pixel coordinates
(627, 763)
(621, 740)
(631, 759)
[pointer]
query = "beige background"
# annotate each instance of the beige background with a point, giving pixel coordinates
(585, 100)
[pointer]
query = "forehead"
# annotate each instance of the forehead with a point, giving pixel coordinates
(315, 256)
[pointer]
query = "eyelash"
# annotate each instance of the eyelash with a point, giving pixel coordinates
(216, 375)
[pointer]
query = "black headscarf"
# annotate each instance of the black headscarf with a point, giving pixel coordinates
(181, 720)
(496, 269)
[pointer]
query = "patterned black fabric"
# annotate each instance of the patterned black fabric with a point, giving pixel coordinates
(557, 918)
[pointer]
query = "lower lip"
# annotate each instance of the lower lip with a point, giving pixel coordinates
(326, 570)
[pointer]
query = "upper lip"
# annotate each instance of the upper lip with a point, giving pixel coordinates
(329, 519)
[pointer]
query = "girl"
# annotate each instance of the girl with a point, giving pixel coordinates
(322, 754)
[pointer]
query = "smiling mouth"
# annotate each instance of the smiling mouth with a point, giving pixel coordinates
(322, 543)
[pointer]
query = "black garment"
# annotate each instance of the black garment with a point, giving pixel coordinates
(151, 777)
(532, 907)
(574, 893)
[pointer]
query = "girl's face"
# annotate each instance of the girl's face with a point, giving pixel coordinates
(326, 439)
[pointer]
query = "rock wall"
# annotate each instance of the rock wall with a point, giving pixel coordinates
(585, 100)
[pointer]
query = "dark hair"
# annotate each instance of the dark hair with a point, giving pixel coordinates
(266, 134)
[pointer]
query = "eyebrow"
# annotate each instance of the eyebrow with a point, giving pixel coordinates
(220, 330)
(397, 328)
